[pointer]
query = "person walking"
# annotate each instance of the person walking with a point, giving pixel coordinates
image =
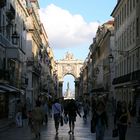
(101, 120)
(24, 115)
(122, 120)
(72, 111)
(19, 114)
(57, 112)
(37, 119)
(85, 110)
(45, 109)
(29, 110)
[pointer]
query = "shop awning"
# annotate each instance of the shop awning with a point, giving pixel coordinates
(99, 90)
(8, 88)
(133, 76)
(2, 91)
(46, 94)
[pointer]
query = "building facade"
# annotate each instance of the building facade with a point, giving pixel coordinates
(23, 54)
(127, 56)
(97, 72)
(12, 49)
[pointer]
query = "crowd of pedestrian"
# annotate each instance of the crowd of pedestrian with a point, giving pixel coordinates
(32, 117)
(99, 123)
(67, 111)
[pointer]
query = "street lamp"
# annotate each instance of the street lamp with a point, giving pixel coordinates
(122, 53)
(15, 38)
(110, 57)
(97, 70)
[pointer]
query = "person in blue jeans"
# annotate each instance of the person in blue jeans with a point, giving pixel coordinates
(57, 111)
(101, 120)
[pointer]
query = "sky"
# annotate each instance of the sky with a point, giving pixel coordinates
(71, 25)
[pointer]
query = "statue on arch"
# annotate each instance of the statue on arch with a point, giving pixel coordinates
(69, 56)
(68, 86)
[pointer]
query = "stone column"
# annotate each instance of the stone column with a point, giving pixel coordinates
(60, 89)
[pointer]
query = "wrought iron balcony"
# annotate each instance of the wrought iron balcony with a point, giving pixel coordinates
(4, 75)
(37, 70)
(11, 13)
(4, 41)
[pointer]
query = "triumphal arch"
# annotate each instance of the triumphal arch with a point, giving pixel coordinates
(68, 65)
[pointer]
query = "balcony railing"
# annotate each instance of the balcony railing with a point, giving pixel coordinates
(11, 13)
(37, 70)
(5, 42)
(8, 76)
(4, 75)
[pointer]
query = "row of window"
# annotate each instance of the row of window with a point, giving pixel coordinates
(125, 11)
(124, 94)
(126, 41)
(127, 38)
(129, 64)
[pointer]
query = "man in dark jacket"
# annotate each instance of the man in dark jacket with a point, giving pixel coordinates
(72, 111)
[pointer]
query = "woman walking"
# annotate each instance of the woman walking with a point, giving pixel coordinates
(57, 112)
(100, 120)
(19, 113)
(122, 120)
(37, 119)
(45, 109)
(85, 110)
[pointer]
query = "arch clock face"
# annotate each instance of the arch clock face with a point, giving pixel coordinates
(69, 68)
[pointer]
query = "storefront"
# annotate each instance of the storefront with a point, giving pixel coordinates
(127, 87)
(7, 94)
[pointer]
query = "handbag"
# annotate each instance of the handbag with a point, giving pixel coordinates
(65, 119)
(61, 120)
(115, 133)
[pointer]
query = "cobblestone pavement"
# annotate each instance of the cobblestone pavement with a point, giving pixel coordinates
(82, 132)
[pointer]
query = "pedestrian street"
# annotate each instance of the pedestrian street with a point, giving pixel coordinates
(82, 132)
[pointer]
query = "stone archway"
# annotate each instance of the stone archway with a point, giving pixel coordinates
(68, 65)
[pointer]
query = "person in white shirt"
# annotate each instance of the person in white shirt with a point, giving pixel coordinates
(57, 111)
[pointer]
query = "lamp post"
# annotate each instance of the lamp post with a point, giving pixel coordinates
(112, 67)
(110, 57)
(122, 53)
(104, 74)
(15, 38)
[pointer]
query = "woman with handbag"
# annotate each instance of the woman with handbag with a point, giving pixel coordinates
(37, 119)
(122, 120)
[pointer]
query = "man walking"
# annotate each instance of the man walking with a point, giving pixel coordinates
(57, 111)
(19, 113)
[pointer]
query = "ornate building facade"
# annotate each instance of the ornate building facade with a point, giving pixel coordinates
(127, 56)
